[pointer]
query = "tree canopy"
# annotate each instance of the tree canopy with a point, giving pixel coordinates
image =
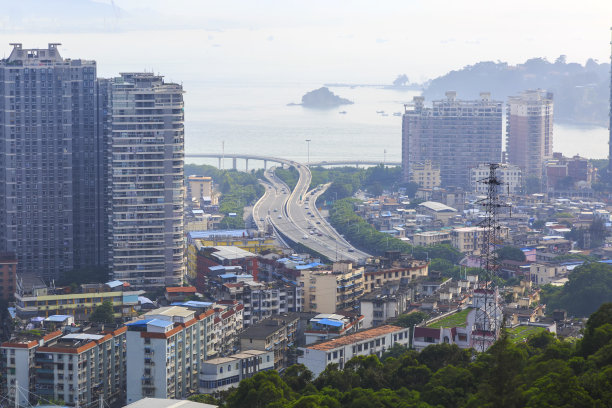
(541, 371)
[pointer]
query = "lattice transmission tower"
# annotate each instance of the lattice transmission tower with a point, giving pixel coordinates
(489, 314)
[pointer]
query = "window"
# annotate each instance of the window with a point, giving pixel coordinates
(329, 356)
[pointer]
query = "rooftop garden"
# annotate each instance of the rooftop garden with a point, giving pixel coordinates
(455, 320)
(519, 334)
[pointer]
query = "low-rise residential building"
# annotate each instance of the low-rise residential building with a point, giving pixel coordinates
(425, 174)
(201, 258)
(341, 349)
(77, 368)
(325, 326)
(542, 273)
(222, 373)
(429, 238)
(404, 272)
(165, 349)
(179, 293)
(328, 291)
(44, 301)
(383, 304)
(469, 240)
(438, 211)
(274, 334)
(510, 175)
(227, 323)
(263, 299)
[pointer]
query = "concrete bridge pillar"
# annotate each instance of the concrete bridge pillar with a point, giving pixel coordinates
(234, 162)
(246, 166)
(265, 165)
(219, 166)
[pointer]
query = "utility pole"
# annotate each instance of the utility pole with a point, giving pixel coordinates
(308, 149)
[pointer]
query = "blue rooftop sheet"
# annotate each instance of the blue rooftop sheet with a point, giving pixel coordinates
(142, 322)
(227, 275)
(217, 268)
(307, 266)
(195, 303)
(328, 322)
(57, 318)
(159, 323)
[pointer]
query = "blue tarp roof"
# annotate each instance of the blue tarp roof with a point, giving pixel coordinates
(144, 299)
(159, 323)
(307, 266)
(328, 322)
(114, 284)
(195, 303)
(57, 318)
(217, 268)
(142, 322)
(227, 275)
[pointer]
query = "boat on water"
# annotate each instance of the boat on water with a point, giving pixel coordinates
(342, 112)
(397, 113)
(380, 112)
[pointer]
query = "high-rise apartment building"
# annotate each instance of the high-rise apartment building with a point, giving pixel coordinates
(52, 162)
(147, 180)
(453, 134)
(529, 131)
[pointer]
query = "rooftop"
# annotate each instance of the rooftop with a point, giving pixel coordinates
(268, 326)
(167, 403)
(356, 337)
(170, 311)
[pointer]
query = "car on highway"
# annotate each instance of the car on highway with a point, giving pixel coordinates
(279, 217)
(276, 210)
(261, 219)
(318, 222)
(305, 237)
(351, 250)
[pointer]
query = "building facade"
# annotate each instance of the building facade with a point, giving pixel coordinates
(165, 350)
(341, 349)
(53, 163)
(425, 174)
(275, 334)
(510, 175)
(529, 131)
(77, 368)
(222, 373)
(8, 276)
(327, 291)
(147, 181)
(454, 135)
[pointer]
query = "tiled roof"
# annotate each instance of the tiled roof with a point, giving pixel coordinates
(356, 337)
(181, 289)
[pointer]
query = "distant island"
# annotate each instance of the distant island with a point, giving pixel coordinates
(322, 98)
(581, 92)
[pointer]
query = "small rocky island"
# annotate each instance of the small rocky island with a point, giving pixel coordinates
(322, 98)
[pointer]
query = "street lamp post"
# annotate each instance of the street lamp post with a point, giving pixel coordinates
(308, 149)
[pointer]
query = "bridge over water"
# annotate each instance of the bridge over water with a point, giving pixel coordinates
(246, 157)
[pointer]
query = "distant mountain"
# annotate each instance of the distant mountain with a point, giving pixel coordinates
(581, 93)
(323, 98)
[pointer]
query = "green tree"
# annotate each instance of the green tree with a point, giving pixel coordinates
(264, 389)
(589, 286)
(103, 313)
(511, 253)
(204, 399)
(411, 319)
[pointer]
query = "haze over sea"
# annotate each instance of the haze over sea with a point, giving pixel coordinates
(255, 119)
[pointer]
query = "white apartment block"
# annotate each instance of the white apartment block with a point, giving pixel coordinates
(341, 349)
(165, 349)
(147, 182)
(223, 373)
(510, 175)
(77, 368)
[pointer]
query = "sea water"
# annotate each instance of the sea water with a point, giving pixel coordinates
(255, 119)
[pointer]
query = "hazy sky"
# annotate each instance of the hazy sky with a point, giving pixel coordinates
(309, 40)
